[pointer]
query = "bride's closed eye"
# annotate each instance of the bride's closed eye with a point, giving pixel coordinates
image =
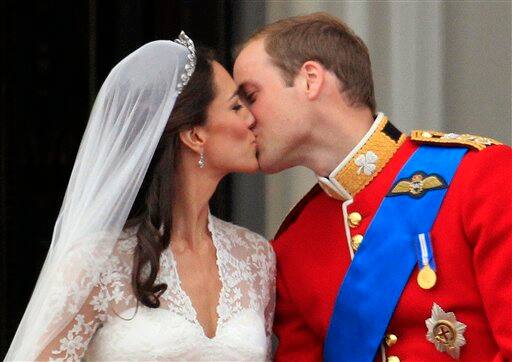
(236, 107)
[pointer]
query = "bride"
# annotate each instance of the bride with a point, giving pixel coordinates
(138, 268)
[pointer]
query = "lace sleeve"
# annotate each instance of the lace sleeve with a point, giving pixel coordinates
(108, 281)
(86, 287)
(271, 303)
(71, 343)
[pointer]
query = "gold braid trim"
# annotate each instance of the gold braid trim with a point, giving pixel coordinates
(358, 172)
(452, 139)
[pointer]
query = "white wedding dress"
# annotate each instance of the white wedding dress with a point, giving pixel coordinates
(83, 305)
(110, 326)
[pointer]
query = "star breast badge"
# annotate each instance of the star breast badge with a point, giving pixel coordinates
(445, 332)
(417, 185)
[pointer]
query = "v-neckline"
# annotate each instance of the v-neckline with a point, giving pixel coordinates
(184, 294)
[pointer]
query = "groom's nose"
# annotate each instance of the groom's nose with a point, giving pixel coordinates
(250, 120)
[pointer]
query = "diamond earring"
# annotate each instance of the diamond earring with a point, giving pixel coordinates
(201, 162)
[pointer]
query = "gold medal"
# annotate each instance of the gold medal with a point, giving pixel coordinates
(427, 277)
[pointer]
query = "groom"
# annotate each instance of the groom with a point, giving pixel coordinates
(403, 249)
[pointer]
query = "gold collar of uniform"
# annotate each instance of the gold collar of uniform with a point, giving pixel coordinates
(365, 161)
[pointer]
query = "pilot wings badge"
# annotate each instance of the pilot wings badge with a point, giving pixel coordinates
(418, 185)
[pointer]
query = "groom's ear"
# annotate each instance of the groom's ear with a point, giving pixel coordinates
(314, 76)
(194, 138)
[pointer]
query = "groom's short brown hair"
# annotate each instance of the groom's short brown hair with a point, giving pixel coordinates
(321, 37)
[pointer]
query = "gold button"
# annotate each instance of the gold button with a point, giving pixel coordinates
(356, 241)
(354, 219)
(393, 359)
(391, 339)
(426, 134)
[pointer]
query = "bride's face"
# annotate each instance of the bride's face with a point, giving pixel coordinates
(230, 144)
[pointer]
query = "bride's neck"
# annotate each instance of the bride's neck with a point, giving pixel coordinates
(193, 188)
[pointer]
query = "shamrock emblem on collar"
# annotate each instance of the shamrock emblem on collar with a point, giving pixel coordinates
(366, 163)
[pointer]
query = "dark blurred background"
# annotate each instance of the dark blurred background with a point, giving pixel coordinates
(55, 56)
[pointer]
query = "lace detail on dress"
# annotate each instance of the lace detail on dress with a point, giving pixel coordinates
(74, 344)
(178, 300)
(246, 264)
(106, 325)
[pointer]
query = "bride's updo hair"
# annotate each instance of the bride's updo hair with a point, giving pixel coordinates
(152, 207)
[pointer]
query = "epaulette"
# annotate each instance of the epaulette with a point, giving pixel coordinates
(453, 139)
(296, 210)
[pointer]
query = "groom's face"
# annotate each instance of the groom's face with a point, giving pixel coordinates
(275, 106)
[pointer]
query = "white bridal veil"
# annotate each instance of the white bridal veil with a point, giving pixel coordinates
(125, 125)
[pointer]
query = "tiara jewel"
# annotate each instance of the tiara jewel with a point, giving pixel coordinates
(184, 40)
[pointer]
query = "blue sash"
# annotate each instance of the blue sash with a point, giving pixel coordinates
(385, 259)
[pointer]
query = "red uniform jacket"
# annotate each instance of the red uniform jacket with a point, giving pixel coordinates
(472, 245)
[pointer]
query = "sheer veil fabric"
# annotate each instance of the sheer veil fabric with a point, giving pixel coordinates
(125, 125)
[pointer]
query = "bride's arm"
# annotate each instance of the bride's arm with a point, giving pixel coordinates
(271, 304)
(71, 343)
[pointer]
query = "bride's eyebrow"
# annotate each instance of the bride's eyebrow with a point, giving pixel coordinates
(235, 93)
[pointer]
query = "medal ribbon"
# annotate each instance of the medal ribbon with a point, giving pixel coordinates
(424, 252)
(383, 263)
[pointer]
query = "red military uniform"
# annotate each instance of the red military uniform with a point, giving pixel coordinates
(471, 242)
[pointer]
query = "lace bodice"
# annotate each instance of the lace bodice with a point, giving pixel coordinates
(111, 325)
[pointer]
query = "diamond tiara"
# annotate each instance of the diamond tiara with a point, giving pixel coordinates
(184, 40)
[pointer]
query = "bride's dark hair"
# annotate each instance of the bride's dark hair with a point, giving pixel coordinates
(152, 207)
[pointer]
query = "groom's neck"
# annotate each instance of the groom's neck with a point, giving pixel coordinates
(337, 131)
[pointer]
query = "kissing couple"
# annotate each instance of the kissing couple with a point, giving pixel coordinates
(388, 257)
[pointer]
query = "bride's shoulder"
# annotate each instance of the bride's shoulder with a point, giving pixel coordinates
(125, 244)
(127, 239)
